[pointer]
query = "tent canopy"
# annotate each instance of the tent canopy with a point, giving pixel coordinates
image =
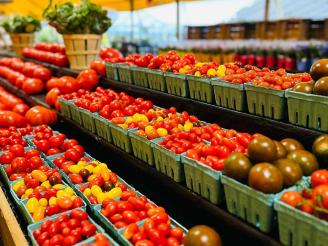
(36, 7)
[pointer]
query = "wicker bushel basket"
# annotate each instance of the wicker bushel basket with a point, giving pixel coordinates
(21, 40)
(81, 49)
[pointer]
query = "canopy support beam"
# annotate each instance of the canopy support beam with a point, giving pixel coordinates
(178, 20)
(131, 19)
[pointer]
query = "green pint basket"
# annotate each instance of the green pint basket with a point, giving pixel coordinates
(139, 76)
(308, 110)
(156, 80)
(111, 71)
(200, 88)
(266, 102)
(176, 84)
(124, 73)
(229, 95)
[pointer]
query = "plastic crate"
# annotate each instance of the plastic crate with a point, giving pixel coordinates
(266, 102)
(139, 76)
(200, 88)
(102, 127)
(124, 73)
(308, 110)
(167, 162)
(203, 180)
(121, 137)
(33, 227)
(176, 84)
(65, 107)
(229, 95)
(250, 205)
(142, 148)
(111, 71)
(75, 113)
(156, 80)
(87, 120)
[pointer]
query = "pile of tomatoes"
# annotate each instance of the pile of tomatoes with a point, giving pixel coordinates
(67, 229)
(276, 79)
(50, 53)
(311, 200)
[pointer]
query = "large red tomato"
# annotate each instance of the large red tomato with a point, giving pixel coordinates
(52, 83)
(52, 96)
(39, 115)
(42, 73)
(110, 53)
(20, 109)
(88, 79)
(33, 86)
(9, 118)
(68, 84)
(99, 67)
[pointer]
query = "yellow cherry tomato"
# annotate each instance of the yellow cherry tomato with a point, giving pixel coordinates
(24, 196)
(69, 191)
(90, 168)
(52, 200)
(187, 126)
(61, 193)
(28, 191)
(87, 192)
(115, 192)
(32, 204)
(123, 126)
(105, 174)
(18, 184)
(39, 175)
(180, 127)
(149, 130)
(39, 213)
(82, 163)
(221, 70)
(46, 184)
(162, 132)
(43, 202)
(100, 197)
(95, 190)
(59, 186)
(198, 74)
(211, 72)
(75, 169)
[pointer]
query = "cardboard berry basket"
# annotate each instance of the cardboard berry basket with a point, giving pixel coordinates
(111, 71)
(139, 76)
(65, 107)
(142, 147)
(250, 205)
(31, 228)
(229, 95)
(124, 73)
(102, 127)
(167, 162)
(297, 227)
(308, 110)
(85, 198)
(266, 102)
(203, 180)
(176, 84)
(126, 242)
(19, 201)
(92, 240)
(29, 219)
(121, 137)
(87, 120)
(156, 80)
(200, 88)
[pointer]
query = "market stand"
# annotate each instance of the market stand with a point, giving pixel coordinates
(174, 196)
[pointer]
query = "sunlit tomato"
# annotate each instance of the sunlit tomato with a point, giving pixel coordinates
(17, 150)
(292, 198)
(20, 108)
(56, 140)
(99, 67)
(6, 157)
(319, 177)
(69, 144)
(88, 79)
(73, 155)
(52, 96)
(19, 164)
(68, 84)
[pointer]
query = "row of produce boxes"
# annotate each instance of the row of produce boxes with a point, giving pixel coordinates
(94, 210)
(302, 109)
(253, 206)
